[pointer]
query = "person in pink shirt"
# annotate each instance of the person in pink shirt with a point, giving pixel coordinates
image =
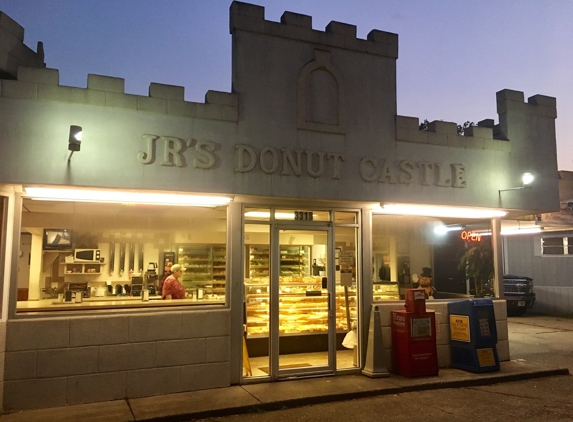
(172, 288)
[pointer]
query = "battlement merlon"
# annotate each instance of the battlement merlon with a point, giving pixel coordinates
(514, 112)
(251, 18)
(514, 101)
(13, 51)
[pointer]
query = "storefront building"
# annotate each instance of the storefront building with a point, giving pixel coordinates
(292, 204)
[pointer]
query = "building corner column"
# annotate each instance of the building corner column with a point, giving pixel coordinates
(496, 242)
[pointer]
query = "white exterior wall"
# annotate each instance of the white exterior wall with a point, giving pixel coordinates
(552, 275)
(268, 59)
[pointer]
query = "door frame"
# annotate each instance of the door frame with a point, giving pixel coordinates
(274, 335)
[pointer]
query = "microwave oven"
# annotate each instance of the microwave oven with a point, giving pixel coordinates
(87, 255)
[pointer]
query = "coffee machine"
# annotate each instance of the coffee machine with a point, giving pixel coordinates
(152, 279)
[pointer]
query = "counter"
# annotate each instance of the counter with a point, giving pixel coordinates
(110, 302)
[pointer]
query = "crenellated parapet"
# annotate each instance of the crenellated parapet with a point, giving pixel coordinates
(13, 51)
(486, 135)
(446, 134)
(251, 18)
(42, 84)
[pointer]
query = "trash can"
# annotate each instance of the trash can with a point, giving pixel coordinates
(473, 335)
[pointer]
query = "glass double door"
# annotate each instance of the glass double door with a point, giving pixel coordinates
(302, 338)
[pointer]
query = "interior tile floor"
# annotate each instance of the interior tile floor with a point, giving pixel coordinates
(345, 359)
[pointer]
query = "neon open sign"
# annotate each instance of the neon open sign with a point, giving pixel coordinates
(471, 236)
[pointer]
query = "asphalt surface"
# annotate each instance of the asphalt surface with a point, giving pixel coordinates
(542, 399)
(532, 338)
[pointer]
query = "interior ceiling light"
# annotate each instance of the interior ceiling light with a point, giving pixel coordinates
(524, 230)
(438, 211)
(113, 196)
(266, 214)
(445, 229)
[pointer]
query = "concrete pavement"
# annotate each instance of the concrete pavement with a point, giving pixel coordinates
(276, 395)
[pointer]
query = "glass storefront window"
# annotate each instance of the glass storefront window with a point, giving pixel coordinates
(424, 252)
(89, 255)
(342, 217)
(257, 214)
(302, 215)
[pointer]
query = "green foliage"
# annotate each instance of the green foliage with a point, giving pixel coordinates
(478, 265)
(462, 128)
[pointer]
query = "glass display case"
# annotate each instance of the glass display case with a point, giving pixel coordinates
(258, 262)
(204, 267)
(385, 291)
(303, 310)
(295, 261)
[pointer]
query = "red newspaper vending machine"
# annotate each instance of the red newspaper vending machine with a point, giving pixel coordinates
(414, 352)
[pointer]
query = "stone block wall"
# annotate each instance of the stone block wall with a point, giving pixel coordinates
(63, 361)
(442, 330)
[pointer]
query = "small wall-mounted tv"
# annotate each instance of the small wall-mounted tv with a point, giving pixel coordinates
(57, 239)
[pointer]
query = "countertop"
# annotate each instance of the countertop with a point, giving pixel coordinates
(110, 302)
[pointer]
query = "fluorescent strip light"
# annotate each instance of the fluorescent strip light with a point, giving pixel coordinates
(258, 214)
(266, 214)
(113, 196)
(445, 229)
(525, 230)
(438, 211)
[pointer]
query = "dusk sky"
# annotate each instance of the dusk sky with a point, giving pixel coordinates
(454, 55)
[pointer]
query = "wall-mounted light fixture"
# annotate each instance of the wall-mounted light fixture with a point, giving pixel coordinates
(526, 179)
(74, 140)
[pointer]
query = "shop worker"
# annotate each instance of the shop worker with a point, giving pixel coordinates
(172, 288)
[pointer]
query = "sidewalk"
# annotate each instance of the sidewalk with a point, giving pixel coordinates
(269, 396)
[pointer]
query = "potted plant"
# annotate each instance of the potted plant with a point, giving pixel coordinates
(477, 262)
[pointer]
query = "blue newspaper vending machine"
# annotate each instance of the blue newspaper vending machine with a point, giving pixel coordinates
(473, 335)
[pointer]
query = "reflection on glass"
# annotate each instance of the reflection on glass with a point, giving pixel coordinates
(257, 214)
(303, 296)
(257, 309)
(346, 300)
(342, 217)
(413, 252)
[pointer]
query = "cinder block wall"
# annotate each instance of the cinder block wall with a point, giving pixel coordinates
(62, 361)
(2, 357)
(443, 332)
